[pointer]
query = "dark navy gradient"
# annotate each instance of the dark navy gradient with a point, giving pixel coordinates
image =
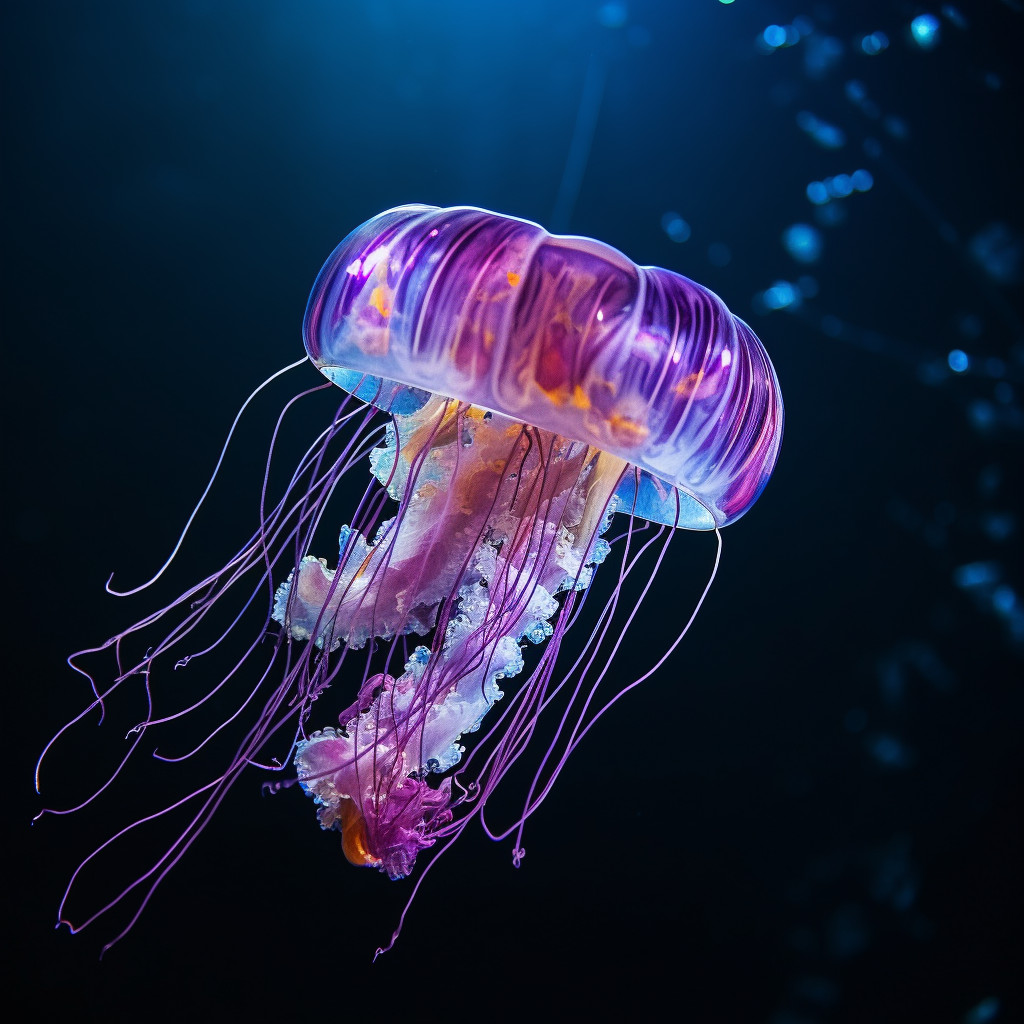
(812, 813)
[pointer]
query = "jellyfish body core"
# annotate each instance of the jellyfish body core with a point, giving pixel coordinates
(535, 386)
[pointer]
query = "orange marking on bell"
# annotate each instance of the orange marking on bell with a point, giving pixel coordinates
(688, 385)
(627, 431)
(379, 301)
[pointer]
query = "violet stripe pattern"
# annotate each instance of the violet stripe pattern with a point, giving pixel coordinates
(562, 332)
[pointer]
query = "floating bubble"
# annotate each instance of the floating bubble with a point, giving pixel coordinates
(874, 42)
(831, 326)
(829, 216)
(997, 250)
(1004, 599)
(817, 193)
(953, 15)
(839, 186)
(612, 14)
(976, 574)
(925, 30)
(982, 415)
(1003, 392)
(803, 242)
(896, 127)
(808, 286)
(988, 1009)
(998, 525)
(862, 180)
(888, 750)
(958, 360)
(856, 92)
(826, 135)
(675, 227)
(821, 54)
(781, 295)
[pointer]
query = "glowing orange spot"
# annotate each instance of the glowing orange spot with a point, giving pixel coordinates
(353, 836)
(627, 431)
(579, 399)
(556, 396)
(688, 385)
(513, 278)
(379, 300)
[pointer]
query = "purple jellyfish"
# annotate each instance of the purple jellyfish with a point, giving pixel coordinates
(534, 386)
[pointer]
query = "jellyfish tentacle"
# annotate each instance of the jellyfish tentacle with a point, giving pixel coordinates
(534, 536)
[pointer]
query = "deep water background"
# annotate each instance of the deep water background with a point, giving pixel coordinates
(813, 812)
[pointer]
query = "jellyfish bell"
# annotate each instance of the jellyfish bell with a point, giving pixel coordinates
(535, 385)
(564, 333)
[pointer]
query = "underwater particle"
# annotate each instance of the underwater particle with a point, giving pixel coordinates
(802, 26)
(981, 414)
(781, 295)
(856, 91)
(829, 216)
(999, 526)
(861, 180)
(1004, 599)
(976, 574)
(954, 16)
(958, 360)
(821, 54)
(817, 193)
(808, 286)
(773, 37)
(831, 326)
(826, 135)
(889, 751)
(896, 126)
(997, 250)
(675, 227)
(925, 31)
(874, 43)
(839, 186)
(985, 1011)
(719, 254)
(803, 242)
(612, 14)
(970, 326)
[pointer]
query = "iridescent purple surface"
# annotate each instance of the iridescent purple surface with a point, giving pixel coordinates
(561, 332)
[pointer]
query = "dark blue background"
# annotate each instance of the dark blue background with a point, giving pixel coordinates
(813, 812)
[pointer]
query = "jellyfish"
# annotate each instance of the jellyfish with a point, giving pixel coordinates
(513, 391)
